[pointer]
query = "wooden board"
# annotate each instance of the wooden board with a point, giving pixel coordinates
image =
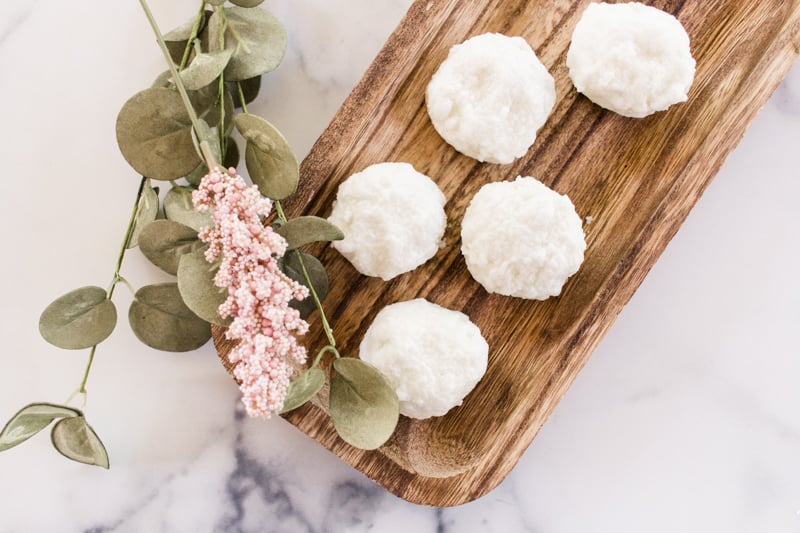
(637, 179)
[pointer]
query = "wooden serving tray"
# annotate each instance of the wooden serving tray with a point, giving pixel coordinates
(637, 179)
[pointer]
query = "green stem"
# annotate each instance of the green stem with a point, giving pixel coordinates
(325, 350)
(187, 103)
(221, 90)
(241, 97)
(325, 325)
(117, 278)
(82, 388)
(193, 35)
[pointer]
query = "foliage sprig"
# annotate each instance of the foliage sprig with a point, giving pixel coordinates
(176, 132)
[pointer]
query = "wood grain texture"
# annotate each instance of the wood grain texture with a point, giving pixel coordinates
(637, 179)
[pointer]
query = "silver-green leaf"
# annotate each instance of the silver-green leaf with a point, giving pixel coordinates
(163, 242)
(178, 207)
(79, 319)
(196, 285)
(30, 420)
(250, 89)
(247, 3)
(307, 229)
(363, 405)
(161, 320)
(204, 132)
(302, 388)
(75, 439)
(146, 212)
(257, 38)
(154, 134)
(205, 68)
(270, 160)
(290, 265)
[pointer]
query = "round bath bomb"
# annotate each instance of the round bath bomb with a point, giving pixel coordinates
(521, 238)
(432, 356)
(392, 217)
(490, 96)
(630, 58)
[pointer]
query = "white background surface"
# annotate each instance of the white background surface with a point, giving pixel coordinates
(687, 417)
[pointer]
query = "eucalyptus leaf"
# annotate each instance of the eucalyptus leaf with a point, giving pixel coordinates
(79, 319)
(302, 388)
(290, 265)
(195, 176)
(250, 89)
(247, 3)
(205, 103)
(75, 439)
(204, 132)
(177, 38)
(146, 212)
(257, 38)
(161, 320)
(163, 242)
(307, 229)
(270, 160)
(163, 80)
(30, 420)
(205, 68)
(155, 136)
(232, 156)
(196, 285)
(363, 405)
(179, 208)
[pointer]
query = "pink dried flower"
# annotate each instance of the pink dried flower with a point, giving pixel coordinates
(258, 292)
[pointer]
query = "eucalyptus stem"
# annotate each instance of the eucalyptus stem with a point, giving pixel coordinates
(187, 103)
(325, 325)
(192, 35)
(117, 278)
(241, 97)
(221, 88)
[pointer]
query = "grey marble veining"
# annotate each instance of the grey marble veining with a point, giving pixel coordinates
(685, 419)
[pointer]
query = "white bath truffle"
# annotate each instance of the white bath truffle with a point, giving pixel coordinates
(392, 217)
(432, 356)
(630, 58)
(522, 239)
(490, 96)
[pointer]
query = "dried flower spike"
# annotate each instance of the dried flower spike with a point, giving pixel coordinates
(258, 292)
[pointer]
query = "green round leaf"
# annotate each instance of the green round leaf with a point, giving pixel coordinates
(257, 38)
(155, 136)
(290, 265)
(163, 242)
(302, 388)
(204, 132)
(363, 405)
(205, 104)
(179, 208)
(232, 156)
(161, 320)
(196, 285)
(307, 229)
(76, 440)
(250, 89)
(146, 212)
(195, 176)
(247, 3)
(205, 68)
(270, 160)
(78, 319)
(30, 420)
(163, 80)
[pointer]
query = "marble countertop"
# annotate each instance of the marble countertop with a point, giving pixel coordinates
(686, 418)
